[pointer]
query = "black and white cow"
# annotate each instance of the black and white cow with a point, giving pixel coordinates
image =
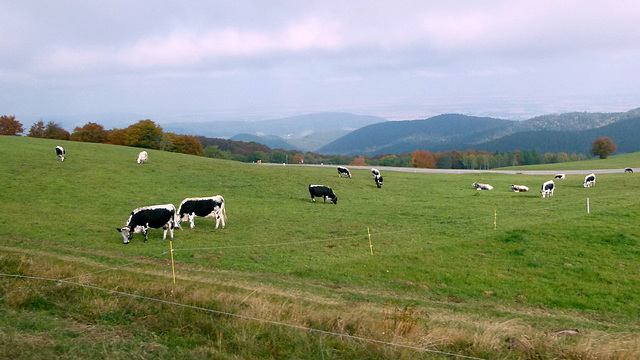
(547, 189)
(519, 188)
(60, 152)
(482, 186)
(559, 176)
(202, 207)
(142, 157)
(589, 180)
(628, 170)
(149, 217)
(378, 180)
(324, 192)
(343, 171)
(375, 172)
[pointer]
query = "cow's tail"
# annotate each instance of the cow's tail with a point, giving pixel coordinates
(223, 209)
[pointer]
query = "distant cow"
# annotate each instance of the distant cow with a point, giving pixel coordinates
(202, 207)
(375, 172)
(547, 189)
(589, 180)
(378, 180)
(149, 217)
(628, 170)
(519, 188)
(343, 171)
(322, 191)
(559, 176)
(142, 157)
(482, 186)
(60, 152)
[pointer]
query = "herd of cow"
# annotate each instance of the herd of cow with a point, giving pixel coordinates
(548, 187)
(168, 218)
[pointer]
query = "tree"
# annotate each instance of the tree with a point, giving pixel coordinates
(37, 130)
(144, 134)
(603, 147)
(187, 144)
(423, 159)
(358, 161)
(90, 132)
(55, 131)
(10, 126)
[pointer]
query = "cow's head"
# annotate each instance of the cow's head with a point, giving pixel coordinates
(126, 233)
(334, 200)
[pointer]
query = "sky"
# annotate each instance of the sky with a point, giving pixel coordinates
(183, 60)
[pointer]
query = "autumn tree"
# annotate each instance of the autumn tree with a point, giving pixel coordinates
(358, 161)
(10, 126)
(55, 131)
(186, 144)
(423, 159)
(37, 130)
(144, 134)
(90, 132)
(603, 147)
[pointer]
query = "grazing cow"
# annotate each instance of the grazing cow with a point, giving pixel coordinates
(589, 180)
(378, 179)
(149, 217)
(375, 172)
(322, 191)
(547, 189)
(519, 188)
(343, 171)
(202, 207)
(60, 152)
(482, 186)
(559, 176)
(628, 170)
(142, 157)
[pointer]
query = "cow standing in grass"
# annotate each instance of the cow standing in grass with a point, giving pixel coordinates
(589, 181)
(60, 153)
(149, 217)
(343, 171)
(202, 207)
(547, 189)
(142, 157)
(378, 180)
(324, 192)
(628, 170)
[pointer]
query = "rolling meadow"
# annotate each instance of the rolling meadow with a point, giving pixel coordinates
(424, 267)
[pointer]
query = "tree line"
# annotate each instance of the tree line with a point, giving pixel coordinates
(147, 134)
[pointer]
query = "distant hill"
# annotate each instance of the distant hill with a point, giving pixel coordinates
(318, 128)
(272, 141)
(624, 133)
(570, 132)
(405, 136)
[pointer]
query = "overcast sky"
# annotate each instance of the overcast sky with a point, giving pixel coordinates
(396, 59)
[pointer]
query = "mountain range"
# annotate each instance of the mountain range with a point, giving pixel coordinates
(569, 132)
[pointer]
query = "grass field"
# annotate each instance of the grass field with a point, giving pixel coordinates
(483, 274)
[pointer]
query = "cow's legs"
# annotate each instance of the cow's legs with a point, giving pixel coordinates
(144, 231)
(324, 199)
(191, 216)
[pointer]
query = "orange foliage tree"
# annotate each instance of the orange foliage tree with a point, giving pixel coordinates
(90, 132)
(10, 126)
(423, 159)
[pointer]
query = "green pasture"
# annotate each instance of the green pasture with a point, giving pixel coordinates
(436, 241)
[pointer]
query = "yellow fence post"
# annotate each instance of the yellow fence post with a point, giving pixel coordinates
(370, 244)
(173, 268)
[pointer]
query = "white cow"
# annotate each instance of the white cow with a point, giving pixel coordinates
(482, 186)
(589, 180)
(142, 157)
(547, 189)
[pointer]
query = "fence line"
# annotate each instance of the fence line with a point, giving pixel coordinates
(243, 317)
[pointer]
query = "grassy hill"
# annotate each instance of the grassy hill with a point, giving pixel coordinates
(286, 274)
